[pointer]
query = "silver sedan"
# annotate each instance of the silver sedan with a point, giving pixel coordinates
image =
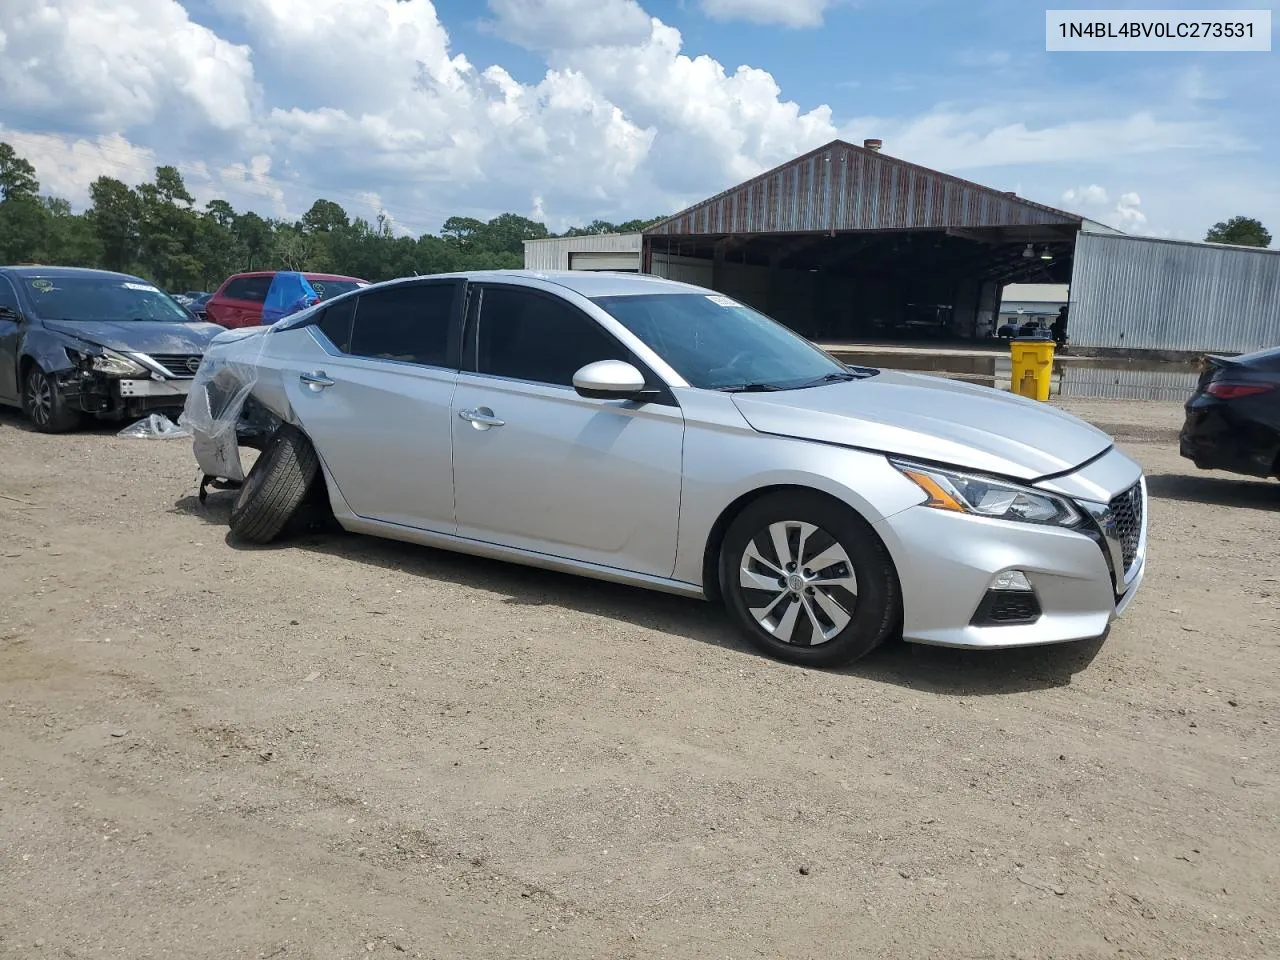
(648, 432)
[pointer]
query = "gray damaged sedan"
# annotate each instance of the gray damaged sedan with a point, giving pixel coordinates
(648, 432)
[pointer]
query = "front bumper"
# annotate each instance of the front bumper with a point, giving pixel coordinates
(948, 561)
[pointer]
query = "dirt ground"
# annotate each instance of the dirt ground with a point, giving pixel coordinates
(344, 747)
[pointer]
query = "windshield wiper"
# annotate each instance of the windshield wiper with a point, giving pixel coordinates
(749, 388)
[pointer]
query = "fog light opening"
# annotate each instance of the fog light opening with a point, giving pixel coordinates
(1011, 580)
(1010, 600)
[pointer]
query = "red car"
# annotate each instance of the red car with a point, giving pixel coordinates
(238, 302)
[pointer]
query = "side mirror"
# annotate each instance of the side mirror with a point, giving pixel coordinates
(609, 380)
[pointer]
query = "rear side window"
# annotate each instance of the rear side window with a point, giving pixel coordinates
(335, 323)
(253, 289)
(407, 322)
(527, 335)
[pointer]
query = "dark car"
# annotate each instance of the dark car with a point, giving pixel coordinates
(1233, 418)
(76, 342)
(240, 300)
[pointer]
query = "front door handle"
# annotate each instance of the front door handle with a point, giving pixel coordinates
(316, 380)
(481, 417)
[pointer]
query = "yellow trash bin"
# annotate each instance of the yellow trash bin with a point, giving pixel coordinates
(1032, 360)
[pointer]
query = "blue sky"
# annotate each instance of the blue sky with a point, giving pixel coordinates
(569, 110)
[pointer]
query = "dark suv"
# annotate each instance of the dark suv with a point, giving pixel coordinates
(75, 342)
(240, 299)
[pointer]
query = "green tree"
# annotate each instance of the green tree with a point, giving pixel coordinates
(325, 216)
(255, 237)
(168, 231)
(115, 218)
(17, 176)
(1244, 231)
(24, 230)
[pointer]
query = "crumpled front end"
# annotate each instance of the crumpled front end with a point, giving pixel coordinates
(220, 409)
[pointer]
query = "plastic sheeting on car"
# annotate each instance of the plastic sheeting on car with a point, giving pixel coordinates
(156, 426)
(216, 398)
(289, 293)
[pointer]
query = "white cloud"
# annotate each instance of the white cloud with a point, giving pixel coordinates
(120, 66)
(368, 103)
(788, 13)
(66, 166)
(1092, 195)
(987, 138)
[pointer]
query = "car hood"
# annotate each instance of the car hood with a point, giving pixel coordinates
(931, 418)
(143, 336)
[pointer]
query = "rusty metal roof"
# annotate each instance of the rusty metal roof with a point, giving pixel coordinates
(842, 187)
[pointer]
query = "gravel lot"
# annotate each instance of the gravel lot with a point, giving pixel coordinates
(345, 747)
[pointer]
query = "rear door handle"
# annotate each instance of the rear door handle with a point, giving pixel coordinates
(317, 379)
(481, 417)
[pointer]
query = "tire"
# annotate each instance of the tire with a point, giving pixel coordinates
(275, 487)
(814, 621)
(44, 404)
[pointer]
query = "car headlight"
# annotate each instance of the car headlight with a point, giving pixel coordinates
(117, 365)
(985, 497)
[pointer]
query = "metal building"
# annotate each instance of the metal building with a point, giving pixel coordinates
(600, 251)
(1137, 293)
(845, 242)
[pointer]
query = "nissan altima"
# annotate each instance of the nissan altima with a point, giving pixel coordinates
(76, 342)
(649, 432)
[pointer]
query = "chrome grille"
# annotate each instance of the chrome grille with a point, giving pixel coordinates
(178, 364)
(1126, 513)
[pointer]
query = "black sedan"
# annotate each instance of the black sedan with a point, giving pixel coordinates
(1233, 418)
(76, 342)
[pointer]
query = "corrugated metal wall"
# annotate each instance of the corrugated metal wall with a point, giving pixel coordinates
(1080, 380)
(843, 187)
(553, 254)
(1138, 293)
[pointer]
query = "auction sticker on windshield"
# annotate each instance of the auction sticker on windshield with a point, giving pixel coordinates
(721, 301)
(43, 285)
(144, 287)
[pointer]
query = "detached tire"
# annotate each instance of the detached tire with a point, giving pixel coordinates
(807, 580)
(276, 486)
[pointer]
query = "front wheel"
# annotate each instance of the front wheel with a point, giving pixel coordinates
(45, 406)
(807, 580)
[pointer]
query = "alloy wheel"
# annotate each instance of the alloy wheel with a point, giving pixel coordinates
(806, 579)
(40, 398)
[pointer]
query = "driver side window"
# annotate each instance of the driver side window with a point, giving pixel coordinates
(9, 298)
(529, 335)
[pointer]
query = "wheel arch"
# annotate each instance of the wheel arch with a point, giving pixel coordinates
(711, 587)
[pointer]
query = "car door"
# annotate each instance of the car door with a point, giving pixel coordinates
(10, 335)
(538, 467)
(240, 303)
(371, 382)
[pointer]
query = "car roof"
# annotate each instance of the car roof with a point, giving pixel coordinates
(36, 270)
(588, 283)
(308, 275)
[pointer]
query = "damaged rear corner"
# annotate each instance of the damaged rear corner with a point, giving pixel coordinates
(223, 411)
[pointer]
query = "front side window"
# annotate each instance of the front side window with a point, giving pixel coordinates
(116, 299)
(716, 343)
(8, 298)
(406, 322)
(527, 335)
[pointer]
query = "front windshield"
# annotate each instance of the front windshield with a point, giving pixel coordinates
(102, 298)
(328, 289)
(716, 343)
